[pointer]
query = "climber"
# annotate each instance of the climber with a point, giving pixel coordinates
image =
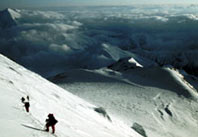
(51, 121)
(27, 106)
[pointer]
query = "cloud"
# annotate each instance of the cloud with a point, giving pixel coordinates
(48, 15)
(59, 48)
(52, 41)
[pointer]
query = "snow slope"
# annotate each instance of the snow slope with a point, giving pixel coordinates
(76, 117)
(159, 99)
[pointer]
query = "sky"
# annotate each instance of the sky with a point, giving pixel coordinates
(51, 3)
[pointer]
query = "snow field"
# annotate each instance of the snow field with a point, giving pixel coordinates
(76, 117)
(157, 98)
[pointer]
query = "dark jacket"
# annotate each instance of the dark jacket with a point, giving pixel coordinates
(27, 104)
(51, 120)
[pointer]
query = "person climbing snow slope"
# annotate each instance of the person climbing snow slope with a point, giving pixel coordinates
(51, 121)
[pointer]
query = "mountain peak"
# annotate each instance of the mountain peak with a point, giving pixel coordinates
(8, 17)
(13, 12)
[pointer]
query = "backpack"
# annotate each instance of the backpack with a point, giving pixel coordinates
(55, 121)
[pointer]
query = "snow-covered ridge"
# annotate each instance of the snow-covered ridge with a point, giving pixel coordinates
(159, 99)
(152, 69)
(14, 13)
(128, 63)
(76, 117)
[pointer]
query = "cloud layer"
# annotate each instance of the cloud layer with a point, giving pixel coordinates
(50, 41)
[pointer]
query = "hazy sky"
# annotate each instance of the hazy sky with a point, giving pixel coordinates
(50, 3)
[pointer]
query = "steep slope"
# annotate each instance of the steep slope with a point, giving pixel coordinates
(157, 98)
(76, 117)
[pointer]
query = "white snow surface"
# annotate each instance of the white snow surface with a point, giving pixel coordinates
(133, 61)
(76, 117)
(162, 100)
